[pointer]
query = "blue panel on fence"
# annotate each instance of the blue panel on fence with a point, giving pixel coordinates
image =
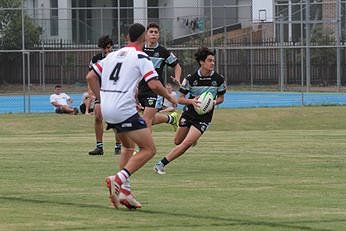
(40, 103)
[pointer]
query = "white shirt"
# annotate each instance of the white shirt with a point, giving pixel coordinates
(120, 73)
(61, 99)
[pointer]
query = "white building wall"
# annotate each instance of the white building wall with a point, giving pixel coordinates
(140, 11)
(40, 11)
(65, 20)
(103, 18)
(176, 16)
(244, 12)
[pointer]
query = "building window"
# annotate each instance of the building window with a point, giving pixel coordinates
(54, 18)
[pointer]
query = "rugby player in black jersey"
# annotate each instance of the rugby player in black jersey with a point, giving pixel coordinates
(105, 43)
(160, 56)
(191, 125)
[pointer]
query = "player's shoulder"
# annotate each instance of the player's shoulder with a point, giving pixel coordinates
(142, 55)
(97, 57)
(192, 76)
(162, 50)
(218, 76)
(160, 47)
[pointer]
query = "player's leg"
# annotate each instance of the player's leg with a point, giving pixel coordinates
(145, 143)
(126, 196)
(87, 105)
(138, 134)
(180, 135)
(171, 118)
(66, 109)
(148, 116)
(98, 131)
(127, 150)
(117, 147)
(191, 137)
(148, 102)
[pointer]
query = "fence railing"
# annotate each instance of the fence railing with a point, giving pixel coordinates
(256, 66)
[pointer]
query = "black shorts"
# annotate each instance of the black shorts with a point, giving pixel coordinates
(147, 100)
(59, 110)
(82, 108)
(135, 122)
(188, 120)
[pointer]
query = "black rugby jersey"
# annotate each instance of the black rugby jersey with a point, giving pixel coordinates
(195, 84)
(95, 59)
(160, 56)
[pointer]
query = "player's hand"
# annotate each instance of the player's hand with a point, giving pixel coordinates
(139, 107)
(195, 102)
(175, 80)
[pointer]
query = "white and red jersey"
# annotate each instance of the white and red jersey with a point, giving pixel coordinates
(120, 73)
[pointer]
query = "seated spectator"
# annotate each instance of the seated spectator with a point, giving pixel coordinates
(62, 102)
(88, 103)
(167, 105)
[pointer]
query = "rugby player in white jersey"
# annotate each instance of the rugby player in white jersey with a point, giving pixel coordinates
(119, 74)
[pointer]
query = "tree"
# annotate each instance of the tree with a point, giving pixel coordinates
(11, 27)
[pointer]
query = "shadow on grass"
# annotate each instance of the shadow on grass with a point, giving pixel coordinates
(214, 221)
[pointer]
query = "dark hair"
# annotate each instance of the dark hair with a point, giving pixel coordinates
(153, 25)
(202, 54)
(57, 86)
(104, 41)
(135, 31)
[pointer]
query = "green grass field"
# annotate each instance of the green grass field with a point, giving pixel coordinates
(254, 169)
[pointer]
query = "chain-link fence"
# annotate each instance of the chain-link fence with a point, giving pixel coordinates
(48, 42)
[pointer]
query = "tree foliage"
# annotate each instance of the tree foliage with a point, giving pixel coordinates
(11, 26)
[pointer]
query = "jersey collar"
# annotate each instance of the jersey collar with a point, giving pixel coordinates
(146, 46)
(200, 74)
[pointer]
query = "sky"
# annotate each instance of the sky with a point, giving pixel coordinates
(266, 5)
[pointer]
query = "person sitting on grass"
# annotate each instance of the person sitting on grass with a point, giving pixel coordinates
(62, 102)
(88, 103)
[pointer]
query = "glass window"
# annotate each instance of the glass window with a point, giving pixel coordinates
(54, 18)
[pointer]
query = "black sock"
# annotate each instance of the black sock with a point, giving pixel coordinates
(127, 171)
(164, 161)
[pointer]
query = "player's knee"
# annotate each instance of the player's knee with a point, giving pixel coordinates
(151, 151)
(177, 141)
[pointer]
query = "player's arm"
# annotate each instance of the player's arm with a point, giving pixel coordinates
(150, 77)
(69, 100)
(55, 104)
(183, 100)
(219, 99)
(184, 90)
(221, 90)
(177, 74)
(157, 87)
(173, 62)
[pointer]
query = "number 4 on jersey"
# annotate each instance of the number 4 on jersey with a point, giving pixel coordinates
(115, 73)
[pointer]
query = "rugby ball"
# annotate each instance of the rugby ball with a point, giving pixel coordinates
(206, 103)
